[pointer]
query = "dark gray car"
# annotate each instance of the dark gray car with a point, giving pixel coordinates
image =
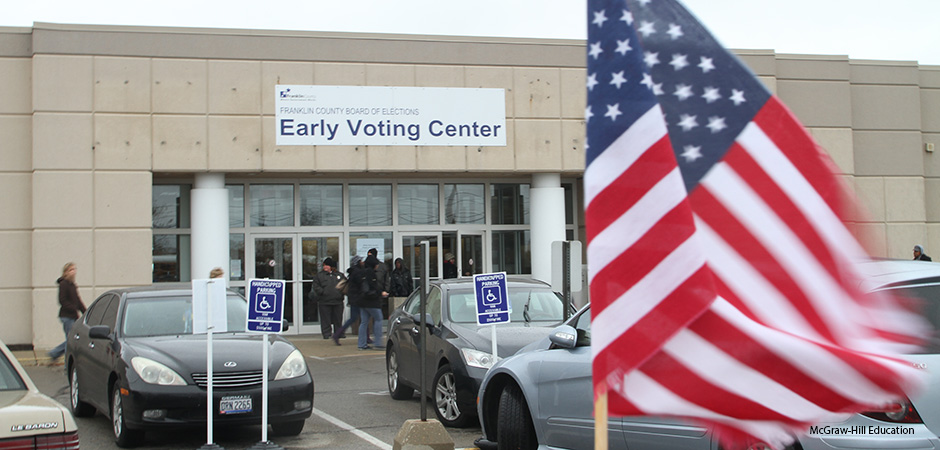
(459, 351)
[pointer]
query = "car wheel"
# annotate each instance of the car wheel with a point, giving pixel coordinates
(398, 390)
(445, 399)
(79, 408)
(123, 436)
(288, 428)
(514, 428)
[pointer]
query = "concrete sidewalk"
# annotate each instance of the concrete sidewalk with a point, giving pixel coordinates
(309, 344)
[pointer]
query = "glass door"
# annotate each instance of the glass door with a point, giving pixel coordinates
(313, 250)
(274, 259)
(470, 259)
(411, 252)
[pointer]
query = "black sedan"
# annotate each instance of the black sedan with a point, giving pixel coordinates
(459, 351)
(134, 357)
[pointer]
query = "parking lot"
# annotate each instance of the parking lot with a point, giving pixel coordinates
(352, 408)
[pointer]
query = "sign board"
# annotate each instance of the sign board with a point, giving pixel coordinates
(378, 115)
(492, 298)
(265, 305)
(205, 291)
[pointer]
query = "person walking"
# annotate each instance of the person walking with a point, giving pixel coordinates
(70, 305)
(383, 278)
(365, 292)
(919, 254)
(401, 284)
(329, 298)
(355, 265)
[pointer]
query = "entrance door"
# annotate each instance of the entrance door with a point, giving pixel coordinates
(274, 259)
(313, 250)
(410, 251)
(470, 260)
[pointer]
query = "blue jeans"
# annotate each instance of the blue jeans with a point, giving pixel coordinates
(67, 323)
(353, 315)
(376, 315)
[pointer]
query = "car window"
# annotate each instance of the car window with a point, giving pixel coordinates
(10, 380)
(96, 311)
(928, 297)
(528, 305)
(168, 316)
(109, 317)
(583, 327)
(434, 304)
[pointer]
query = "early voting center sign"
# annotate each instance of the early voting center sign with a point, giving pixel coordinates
(376, 115)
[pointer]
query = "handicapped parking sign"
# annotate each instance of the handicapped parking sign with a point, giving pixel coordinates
(265, 305)
(492, 298)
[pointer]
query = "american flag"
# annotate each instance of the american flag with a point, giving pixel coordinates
(721, 273)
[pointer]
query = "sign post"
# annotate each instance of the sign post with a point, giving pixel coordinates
(492, 299)
(209, 316)
(265, 315)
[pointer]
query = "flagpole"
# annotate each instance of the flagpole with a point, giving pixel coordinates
(600, 417)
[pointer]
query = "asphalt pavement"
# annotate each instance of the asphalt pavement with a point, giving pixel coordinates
(352, 408)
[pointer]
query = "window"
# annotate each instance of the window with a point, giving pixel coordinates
(370, 205)
(464, 203)
(418, 204)
(236, 205)
(171, 257)
(272, 205)
(510, 204)
(321, 205)
(236, 256)
(511, 252)
(171, 206)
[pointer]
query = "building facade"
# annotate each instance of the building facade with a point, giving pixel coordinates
(124, 146)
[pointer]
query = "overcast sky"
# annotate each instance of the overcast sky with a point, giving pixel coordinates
(861, 29)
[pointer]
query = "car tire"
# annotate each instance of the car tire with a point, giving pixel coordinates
(124, 437)
(514, 428)
(287, 428)
(444, 395)
(79, 408)
(396, 388)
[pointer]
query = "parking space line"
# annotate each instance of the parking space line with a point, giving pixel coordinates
(361, 434)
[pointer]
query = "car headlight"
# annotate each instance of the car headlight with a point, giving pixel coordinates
(293, 367)
(155, 373)
(476, 358)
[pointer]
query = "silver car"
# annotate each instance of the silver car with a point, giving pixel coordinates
(541, 397)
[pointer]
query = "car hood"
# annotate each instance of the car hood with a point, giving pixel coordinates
(29, 413)
(509, 337)
(187, 353)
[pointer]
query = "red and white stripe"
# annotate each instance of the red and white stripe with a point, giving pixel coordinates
(775, 332)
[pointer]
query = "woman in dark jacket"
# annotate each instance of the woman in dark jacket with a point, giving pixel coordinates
(366, 293)
(401, 283)
(70, 305)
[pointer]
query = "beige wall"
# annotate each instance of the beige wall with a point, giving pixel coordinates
(89, 116)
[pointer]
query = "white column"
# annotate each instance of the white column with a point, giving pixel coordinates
(547, 221)
(209, 211)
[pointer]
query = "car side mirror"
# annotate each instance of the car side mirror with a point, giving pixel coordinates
(285, 325)
(428, 320)
(99, 332)
(564, 336)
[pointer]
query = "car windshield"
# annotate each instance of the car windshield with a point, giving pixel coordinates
(169, 316)
(9, 379)
(528, 305)
(927, 297)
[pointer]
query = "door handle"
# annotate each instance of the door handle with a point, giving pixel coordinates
(91, 345)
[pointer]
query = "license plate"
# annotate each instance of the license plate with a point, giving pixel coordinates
(236, 404)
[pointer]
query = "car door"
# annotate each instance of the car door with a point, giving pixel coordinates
(102, 352)
(405, 336)
(83, 354)
(565, 390)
